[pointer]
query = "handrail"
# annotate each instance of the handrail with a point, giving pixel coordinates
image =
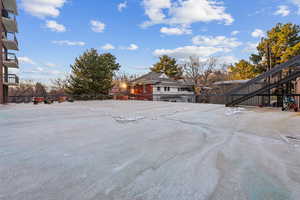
(11, 78)
(10, 57)
(9, 36)
(291, 63)
(263, 89)
(13, 18)
(13, 10)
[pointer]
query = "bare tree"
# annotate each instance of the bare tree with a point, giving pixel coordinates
(25, 88)
(209, 68)
(59, 86)
(40, 90)
(60, 83)
(123, 76)
(199, 71)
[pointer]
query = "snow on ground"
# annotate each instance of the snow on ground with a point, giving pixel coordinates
(118, 150)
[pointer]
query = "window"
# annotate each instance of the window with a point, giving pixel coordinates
(166, 89)
(158, 88)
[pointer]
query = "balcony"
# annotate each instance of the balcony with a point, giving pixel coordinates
(10, 24)
(10, 6)
(10, 41)
(11, 60)
(10, 79)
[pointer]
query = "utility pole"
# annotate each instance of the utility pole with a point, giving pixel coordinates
(269, 63)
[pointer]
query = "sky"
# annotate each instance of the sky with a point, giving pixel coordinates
(52, 33)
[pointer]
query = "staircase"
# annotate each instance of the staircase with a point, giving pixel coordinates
(294, 62)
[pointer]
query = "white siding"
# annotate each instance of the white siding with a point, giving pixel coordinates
(173, 90)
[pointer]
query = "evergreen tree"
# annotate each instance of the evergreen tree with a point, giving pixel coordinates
(168, 66)
(283, 42)
(92, 73)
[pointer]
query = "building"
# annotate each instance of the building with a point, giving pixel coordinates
(120, 90)
(217, 94)
(9, 43)
(281, 82)
(158, 87)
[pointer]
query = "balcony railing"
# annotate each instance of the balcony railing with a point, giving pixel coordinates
(10, 60)
(10, 6)
(11, 79)
(11, 57)
(10, 23)
(10, 41)
(10, 36)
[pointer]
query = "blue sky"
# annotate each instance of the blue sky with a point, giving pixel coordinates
(52, 33)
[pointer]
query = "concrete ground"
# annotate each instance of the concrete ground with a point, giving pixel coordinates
(110, 150)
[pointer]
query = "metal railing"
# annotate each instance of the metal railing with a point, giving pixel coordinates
(10, 36)
(245, 97)
(10, 57)
(8, 19)
(11, 79)
(10, 6)
(295, 61)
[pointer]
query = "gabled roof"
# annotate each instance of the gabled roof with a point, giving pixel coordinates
(158, 78)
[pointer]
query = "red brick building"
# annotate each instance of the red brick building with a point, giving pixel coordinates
(158, 87)
(8, 43)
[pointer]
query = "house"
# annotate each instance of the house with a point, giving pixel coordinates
(155, 86)
(8, 42)
(119, 90)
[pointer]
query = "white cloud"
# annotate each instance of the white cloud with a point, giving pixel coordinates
(26, 60)
(42, 72)
(97, 26)
(185, 12)
(40, 69)
(175, 31)
(122, 6)
(154, 9)
(68, 43)
(186, 51)
(227, 60)
(54, 26)
(297, 3)
(107, 47)
(55, 72)
(133, 47)
(203, 47)
(219, 41)
(233, 33)
(50, 64)
(283, 11)
(258, 33)
(251, 47)
(43, 8)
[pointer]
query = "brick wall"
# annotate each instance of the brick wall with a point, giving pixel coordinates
(142, 92)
